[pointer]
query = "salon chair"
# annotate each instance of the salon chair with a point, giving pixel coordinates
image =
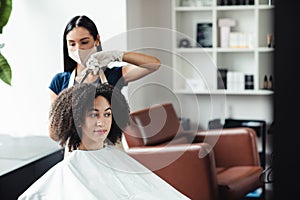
(188, 168)
(215, 164)
(237, 160)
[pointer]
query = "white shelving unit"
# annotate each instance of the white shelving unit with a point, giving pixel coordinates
(194, 65)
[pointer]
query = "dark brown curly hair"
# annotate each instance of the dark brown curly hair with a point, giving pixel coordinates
(68, 111)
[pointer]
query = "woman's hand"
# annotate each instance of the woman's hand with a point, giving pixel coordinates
(103, 58)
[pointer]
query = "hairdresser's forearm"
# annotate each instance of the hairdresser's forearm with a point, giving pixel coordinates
(142, 60)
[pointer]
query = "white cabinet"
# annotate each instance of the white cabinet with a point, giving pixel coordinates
(247, 53)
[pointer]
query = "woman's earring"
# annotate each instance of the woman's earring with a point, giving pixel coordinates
(99, 47)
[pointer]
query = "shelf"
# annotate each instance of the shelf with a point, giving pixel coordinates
(249, 7)
(237, 50)
(229, 50)
(265, 7)
(186, 9)
(196, 72)
(265, 49)
(226, 92)
(250, 27)
(220, 8)
(193, 50)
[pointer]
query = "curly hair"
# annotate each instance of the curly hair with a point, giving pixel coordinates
(68, 111)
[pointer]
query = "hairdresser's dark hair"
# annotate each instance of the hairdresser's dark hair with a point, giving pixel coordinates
(77, 21)
(68, 112)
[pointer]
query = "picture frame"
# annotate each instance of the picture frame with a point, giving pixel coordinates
(204, 37)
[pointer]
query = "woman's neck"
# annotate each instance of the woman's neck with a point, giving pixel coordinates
(90, 147)
(79, 69)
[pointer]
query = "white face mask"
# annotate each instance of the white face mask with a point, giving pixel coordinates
(81, 56)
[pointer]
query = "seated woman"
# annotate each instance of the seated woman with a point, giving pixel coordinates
(91, 119)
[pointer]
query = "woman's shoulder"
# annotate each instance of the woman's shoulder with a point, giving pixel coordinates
(60, 81)
(62, 75)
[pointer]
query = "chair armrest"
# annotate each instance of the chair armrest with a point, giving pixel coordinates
(232, 146)
(188, 168)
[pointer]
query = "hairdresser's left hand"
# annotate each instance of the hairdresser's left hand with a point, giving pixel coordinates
(103, 58)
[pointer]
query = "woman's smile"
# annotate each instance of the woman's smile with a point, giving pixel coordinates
(101, 131)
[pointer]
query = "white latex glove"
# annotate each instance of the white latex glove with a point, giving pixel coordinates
(92, 65)
(103, 58)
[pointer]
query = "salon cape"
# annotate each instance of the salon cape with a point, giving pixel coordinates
(99, 175)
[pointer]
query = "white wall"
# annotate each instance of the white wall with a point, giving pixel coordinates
(33, 48)
(149, 24)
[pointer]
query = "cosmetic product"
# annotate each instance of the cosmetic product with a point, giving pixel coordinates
(241, 2)
(188, 3)
(233, 2)
(270, 84)
(270, 2)
(222, 78)
(224, 2)
(249, 2)
(225, 25)
(265, 82)
(269, 40)
(235, 81)
(249, 82)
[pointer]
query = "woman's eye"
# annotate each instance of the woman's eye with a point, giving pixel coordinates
(93, 115)
(107, 114)
(85, 42)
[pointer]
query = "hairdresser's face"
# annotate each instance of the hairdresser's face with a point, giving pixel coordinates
(79, 38)
(97, 124)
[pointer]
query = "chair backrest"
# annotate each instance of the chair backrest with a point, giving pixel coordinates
(234, 147)
(188, 168)
(152, 126)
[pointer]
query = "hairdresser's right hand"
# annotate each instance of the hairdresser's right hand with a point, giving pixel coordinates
(103, 58)
(92, 65)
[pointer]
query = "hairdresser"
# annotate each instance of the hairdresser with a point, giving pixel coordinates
(85, 61)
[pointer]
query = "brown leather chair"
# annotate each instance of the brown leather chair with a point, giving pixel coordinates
(235, 156)
(188, 168)
(237, 160)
